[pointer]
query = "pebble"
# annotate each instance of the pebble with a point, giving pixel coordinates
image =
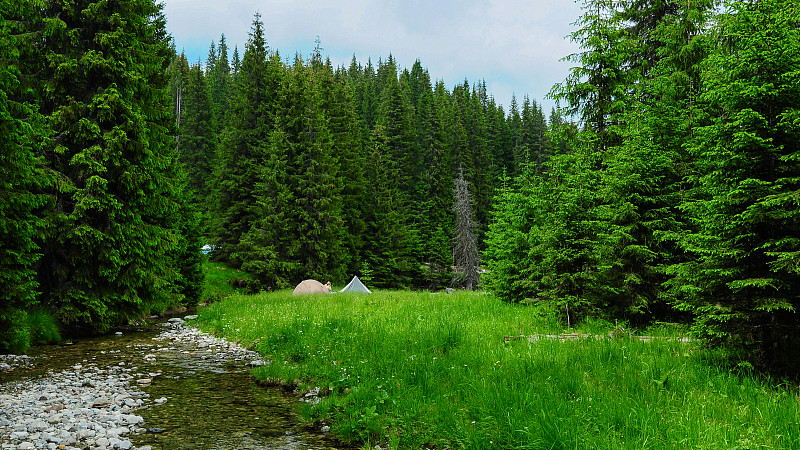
(9, 363)
(93, 407)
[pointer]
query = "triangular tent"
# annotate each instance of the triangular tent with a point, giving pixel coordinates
(355, 285)
(311, 287)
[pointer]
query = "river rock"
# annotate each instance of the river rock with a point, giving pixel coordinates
(102, 402)
(91, 405)
(130, 419)
(123, 445)
(19, 435)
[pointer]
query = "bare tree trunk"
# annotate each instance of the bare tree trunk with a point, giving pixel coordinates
(466, 257)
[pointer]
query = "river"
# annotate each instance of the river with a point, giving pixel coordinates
(196, 391)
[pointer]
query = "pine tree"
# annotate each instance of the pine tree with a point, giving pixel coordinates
(245, 146)
(219, 80)
(743, 281)
(114, 223)
(21, 180)
(597, 88)
(196, 137)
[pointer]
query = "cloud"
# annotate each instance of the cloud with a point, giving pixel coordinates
(515, 45)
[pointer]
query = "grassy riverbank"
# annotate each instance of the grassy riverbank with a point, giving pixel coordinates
(221, 281)
(415, 369)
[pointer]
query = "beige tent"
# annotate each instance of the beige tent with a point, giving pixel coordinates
(311, 287)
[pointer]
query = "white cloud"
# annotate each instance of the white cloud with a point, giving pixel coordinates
(515, 45)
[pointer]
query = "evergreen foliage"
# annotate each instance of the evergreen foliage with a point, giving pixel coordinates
(326, 173)
(94, 233)
(389, 251)
(674, 196)
(245, 143)
(742, 281)
(21, 180)
(680, 190)
(114, 222)
(197, 142)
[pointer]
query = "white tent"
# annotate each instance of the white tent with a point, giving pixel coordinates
(355, 285)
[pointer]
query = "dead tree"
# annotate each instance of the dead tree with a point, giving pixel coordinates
(466, 257)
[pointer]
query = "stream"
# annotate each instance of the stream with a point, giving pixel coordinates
(166, 386)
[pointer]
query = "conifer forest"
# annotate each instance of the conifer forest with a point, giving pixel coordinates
(665, 187)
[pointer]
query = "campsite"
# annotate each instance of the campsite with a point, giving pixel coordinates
(408, 257)
(401, 369)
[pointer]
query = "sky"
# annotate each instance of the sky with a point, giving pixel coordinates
(516, 46)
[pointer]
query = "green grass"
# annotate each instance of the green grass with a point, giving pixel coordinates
(221, 281)
(43, 328)
(419, 369)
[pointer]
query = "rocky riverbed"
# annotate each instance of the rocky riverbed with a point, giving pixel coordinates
(96, 402)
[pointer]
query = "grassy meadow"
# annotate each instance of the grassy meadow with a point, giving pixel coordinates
(221, 281)
(416, 369)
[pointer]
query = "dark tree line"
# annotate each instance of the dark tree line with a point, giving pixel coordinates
(120, 159)
(673, 197)
(305, 170)
(95, 227)
(677, 195)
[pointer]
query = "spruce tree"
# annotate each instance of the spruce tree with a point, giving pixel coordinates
(244, 148)
(636, 207)
(219, 80)
(742, 282)
(21, 180)
(396, 119)
(388, 254)
(434, 197)
(348, 149)
(114, 222)
(564, 246)
(236, 64)
(597, 88)
(179, 78)
(197, 140)
(311, 246)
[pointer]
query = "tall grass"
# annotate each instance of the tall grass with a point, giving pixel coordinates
(221, 281)
(43, 327)
(417, 369)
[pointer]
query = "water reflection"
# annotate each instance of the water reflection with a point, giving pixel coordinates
(211, 404)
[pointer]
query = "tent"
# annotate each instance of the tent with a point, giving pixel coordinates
(311, 287)
(355, 285)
